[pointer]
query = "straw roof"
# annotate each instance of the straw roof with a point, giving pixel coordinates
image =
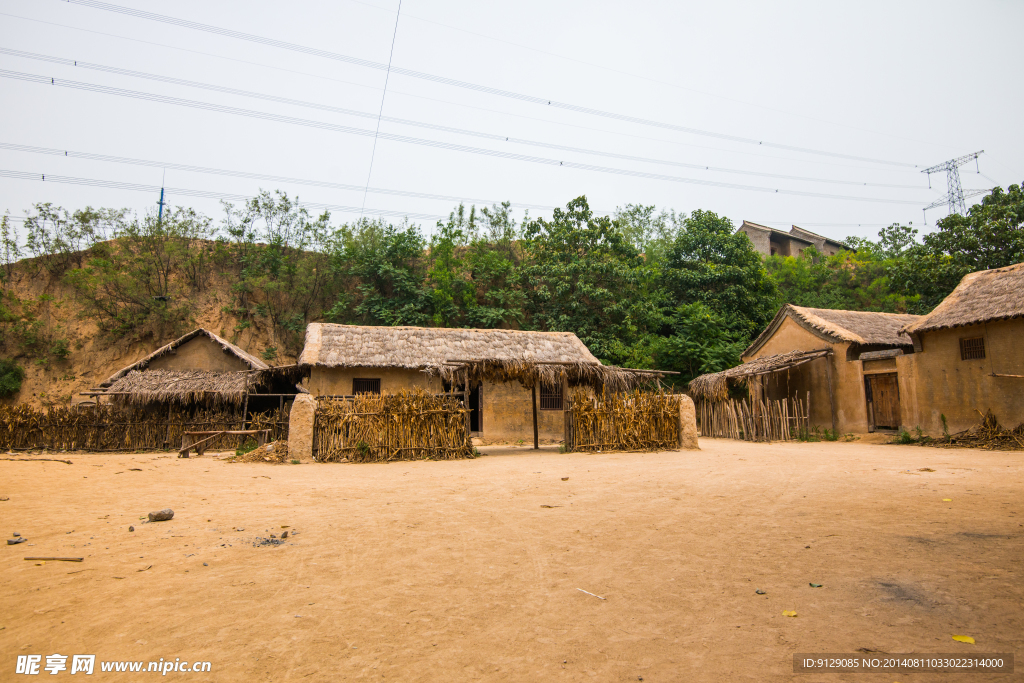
(867, 328)
(531, 373)
(253, 362)
(342, 346)
(191, 386)
(980, 297)
(714, 386)
(495, 355)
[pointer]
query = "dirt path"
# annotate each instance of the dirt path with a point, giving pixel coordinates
(457, 571)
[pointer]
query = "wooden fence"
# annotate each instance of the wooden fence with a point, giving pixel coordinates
(637, 421)
(409, 425)
(754, 420)
(113, 428)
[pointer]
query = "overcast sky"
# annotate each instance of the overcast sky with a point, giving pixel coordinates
(847, 100)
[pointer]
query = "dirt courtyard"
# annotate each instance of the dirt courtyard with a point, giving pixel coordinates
(470, 570)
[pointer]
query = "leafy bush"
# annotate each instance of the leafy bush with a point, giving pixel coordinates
(60, 348)
(903, 438)
(11, 376)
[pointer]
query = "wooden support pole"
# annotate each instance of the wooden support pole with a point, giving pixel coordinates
(566, 423)
(536, 439)
(465, 400)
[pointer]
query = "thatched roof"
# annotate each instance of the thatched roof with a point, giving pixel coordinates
(343, 346)
(531, 373)
(714, 386)
(867, 328)
(253, 362)
(192, 386)
(980, 297)
(495, 355)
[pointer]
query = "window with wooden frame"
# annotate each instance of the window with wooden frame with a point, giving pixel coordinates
(550, 397)
(972, 349)
(365, 386)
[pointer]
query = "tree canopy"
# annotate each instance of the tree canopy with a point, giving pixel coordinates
(641, 288)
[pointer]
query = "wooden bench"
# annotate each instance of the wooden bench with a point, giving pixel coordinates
(199, 440)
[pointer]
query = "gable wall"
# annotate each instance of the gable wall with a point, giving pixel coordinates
(847, 378)
(199, 353)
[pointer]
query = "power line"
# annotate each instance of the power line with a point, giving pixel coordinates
(444, 80)
(745, 103)
(605, 131)
(69, 154)
(236, 111)
(448, 129)
(383, 95)
(201, 194)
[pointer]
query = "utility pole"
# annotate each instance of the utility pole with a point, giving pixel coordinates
(954, 197)
(160, 216)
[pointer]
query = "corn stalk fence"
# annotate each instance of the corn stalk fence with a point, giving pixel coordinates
(635, 421)
(755, 420)
(409, 425)
(115, 428)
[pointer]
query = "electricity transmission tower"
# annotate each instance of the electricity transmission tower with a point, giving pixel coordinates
(954, 191)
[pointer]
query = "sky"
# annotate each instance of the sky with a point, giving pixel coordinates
(814, 114)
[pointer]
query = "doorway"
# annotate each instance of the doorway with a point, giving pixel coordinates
(883, 397)
(475, 403)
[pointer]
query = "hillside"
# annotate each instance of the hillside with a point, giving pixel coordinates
(93, 355)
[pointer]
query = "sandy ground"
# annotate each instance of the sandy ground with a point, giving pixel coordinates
(453, 571)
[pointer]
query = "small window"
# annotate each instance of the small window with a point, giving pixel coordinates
(550, 397)
(366, 386)
(970, 349)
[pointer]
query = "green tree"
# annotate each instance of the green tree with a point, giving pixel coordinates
(493, 259)
(283, 258)
(649, 232)
(581, 275)
(451, 292)
(384, 268)
(711, 264)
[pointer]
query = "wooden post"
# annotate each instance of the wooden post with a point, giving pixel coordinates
(167, 440)
(533, 395)
(465, 400)
(831, 399)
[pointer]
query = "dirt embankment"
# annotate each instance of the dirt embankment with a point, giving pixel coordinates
(93, 355)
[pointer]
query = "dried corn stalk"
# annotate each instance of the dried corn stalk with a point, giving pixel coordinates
(635, 421)
(408, 425)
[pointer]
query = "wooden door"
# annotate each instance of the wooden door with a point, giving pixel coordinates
(885, 401)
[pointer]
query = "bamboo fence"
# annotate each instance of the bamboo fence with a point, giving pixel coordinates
(755, 420)
(115, 428)
(409, 425)
(635, 421)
